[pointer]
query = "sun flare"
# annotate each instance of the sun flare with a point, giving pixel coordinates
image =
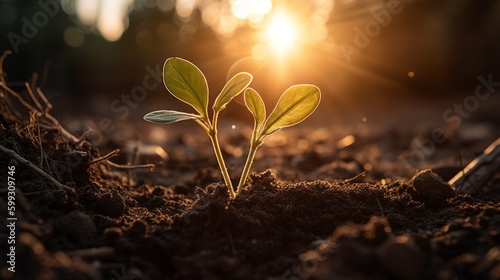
(281, 34)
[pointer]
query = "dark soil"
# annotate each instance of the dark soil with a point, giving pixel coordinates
(304, 219)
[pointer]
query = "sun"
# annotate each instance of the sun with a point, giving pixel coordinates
(281, 34)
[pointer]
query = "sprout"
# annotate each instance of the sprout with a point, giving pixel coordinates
(187, 83)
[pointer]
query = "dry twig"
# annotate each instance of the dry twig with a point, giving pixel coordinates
(84, 136)
(66, 133)
(130, 167)
(105, 157)
(45, 100)
(93, 253)
(33, 97)
(346, 181)
(34, 167)
(2, 58)
(18, 97)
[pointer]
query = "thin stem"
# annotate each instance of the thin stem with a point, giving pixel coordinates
(204, 125)
(213, 134)
(220, 160)
(254, 146)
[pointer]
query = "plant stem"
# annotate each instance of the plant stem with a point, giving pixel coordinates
(254, 145)
(220, 160)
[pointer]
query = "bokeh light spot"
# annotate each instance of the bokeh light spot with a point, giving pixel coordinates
(87, 11)
(185, 8)
(346, 141)
(252, 10)
(111, 21)
(109, 16)
(227, 25)
(303, 144)
(187, 33)
(150, 3)
(68, 6)
(73, 37)
(166, 5)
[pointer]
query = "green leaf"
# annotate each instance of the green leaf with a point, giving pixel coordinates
(169, 116)
(232, 88)
(256, 106)
(186, 82)
(294, 105)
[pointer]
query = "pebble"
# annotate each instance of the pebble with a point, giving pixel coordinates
(431, 186)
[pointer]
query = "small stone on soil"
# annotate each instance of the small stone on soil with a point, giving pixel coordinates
(432, 187)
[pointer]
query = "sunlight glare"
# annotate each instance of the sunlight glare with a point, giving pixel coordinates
(281, 33)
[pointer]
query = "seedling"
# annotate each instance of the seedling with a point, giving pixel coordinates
(187, 83)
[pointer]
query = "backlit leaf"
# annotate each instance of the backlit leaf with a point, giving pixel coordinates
(186, 82)
(232, 88)
(169, 116)
(254, 103)
(294, 105)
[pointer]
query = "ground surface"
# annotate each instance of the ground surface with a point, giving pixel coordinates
(305, 214)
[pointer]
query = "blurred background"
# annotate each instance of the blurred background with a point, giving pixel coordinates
(370, 58)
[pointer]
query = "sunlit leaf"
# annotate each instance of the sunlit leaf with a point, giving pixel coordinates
(232, 88)
(294, 105)
(169, 116)
(186, 82)
(254, 103)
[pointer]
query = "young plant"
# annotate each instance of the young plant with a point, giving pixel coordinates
(296, 104)
(187, 83)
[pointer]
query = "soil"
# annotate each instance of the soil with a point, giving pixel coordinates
(330, 208)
